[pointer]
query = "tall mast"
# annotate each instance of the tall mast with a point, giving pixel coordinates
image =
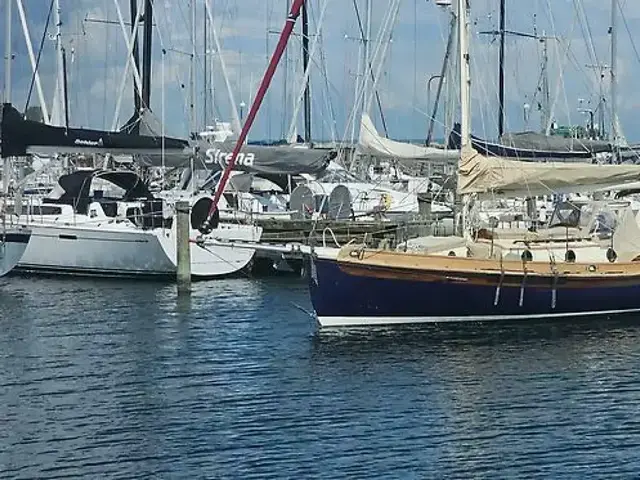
(305, 65)
(206, 78)
(443, 76)
(60, 93)
(465, 75)
(133, 7)
(546, 96)
(65, 89)
(368, 67)
(501, 71)
(614, 80)
(7, 52)
(192, 71)
(147, 53)
(6, 164)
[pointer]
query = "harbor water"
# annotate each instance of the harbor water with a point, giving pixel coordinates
(121, 379)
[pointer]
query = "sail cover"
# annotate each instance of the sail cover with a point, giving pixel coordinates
(555, 143)
(274, 160)
(371, 143)
(498, 176)
(22, 137)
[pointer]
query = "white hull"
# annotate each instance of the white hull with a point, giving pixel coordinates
(120, 249)
(215, 260)
(336, 322)
(12, 249)
(107, 250)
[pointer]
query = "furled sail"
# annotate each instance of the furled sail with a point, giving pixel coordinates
(277, 160)
(372, 143)
(499, 176)
(22, 137)
(531, 152)
(554, 143)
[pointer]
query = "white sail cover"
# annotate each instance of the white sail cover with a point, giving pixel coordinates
(512, 178)
(371, 143)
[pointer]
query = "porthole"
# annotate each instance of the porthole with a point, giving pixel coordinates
(570, 256)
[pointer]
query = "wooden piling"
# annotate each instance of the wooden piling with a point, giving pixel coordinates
(183, 247)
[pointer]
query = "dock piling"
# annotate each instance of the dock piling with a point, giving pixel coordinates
(183, 247)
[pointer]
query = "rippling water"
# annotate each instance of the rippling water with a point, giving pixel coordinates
(121, 379)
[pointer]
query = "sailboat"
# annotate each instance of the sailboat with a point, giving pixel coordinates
(476, 281)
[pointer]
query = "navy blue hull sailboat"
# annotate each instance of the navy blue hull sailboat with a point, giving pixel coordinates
(378, 288)
(359, 286)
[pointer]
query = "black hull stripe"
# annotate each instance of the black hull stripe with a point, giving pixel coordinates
(15, 237)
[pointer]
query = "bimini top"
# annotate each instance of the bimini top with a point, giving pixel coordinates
(77, 185)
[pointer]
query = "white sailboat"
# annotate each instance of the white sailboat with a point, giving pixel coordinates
(85, 232)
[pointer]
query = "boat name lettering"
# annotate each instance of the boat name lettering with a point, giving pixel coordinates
(215, 155)
(89, 143)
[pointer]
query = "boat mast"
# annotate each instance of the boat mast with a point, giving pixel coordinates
(205, 79)
(7, 52)
(6, 164)
(147, 54)
(133, 7)
(192, 71)
(253, 111)
(305, 66)
(65, 88)
(367, 60)
(465, 75)
(443, 76)
(34, 63)
(501, 71)
(60, 93)
(614, 80)
(546, 96)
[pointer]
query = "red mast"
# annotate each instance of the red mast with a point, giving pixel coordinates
(264, 86)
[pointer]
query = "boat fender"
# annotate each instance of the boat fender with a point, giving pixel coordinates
(526, 256)
(570, 256)
(385, 200)
(612, 256)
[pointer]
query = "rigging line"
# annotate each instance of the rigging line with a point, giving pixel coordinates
(35, 70)
(369, 68)
(588, 36)
(626, 26)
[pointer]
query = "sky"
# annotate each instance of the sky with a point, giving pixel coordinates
(248, 30)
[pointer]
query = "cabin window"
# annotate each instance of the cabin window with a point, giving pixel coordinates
(44, 210)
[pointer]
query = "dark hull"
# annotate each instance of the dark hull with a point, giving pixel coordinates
(344, 295)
